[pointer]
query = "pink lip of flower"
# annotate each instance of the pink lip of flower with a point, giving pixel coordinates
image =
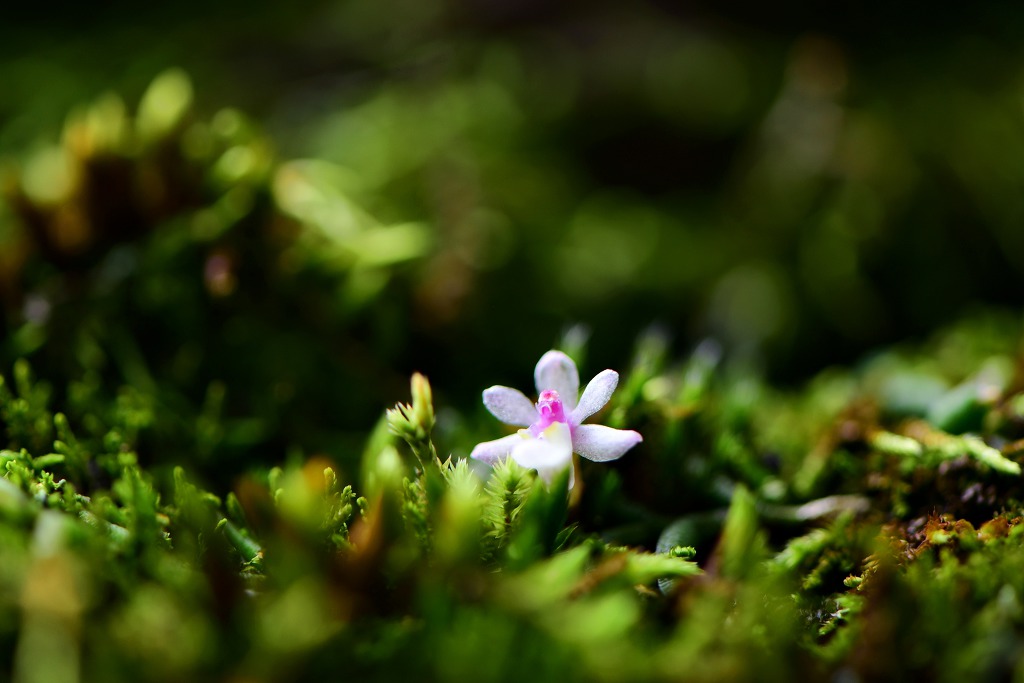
(549, 408)
(553, 427)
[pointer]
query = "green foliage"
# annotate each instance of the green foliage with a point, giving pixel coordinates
(294, 566)
(507, 489)
(414, 422)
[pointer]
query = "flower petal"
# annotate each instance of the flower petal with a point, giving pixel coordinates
(601, 444)
(491, 452)
(596, 395)
(510, 406)
(548, 456)
(538, 454)
(556, 371)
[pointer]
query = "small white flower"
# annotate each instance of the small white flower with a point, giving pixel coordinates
(553, 428)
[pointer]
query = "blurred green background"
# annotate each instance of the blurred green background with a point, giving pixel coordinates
(319, 198)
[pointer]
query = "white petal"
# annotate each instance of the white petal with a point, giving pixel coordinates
(600, 443)
(555, 370)
(547, 457)
(491, 452)
(596, 395)
(510, 406)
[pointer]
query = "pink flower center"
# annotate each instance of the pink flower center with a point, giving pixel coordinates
(549, 410)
